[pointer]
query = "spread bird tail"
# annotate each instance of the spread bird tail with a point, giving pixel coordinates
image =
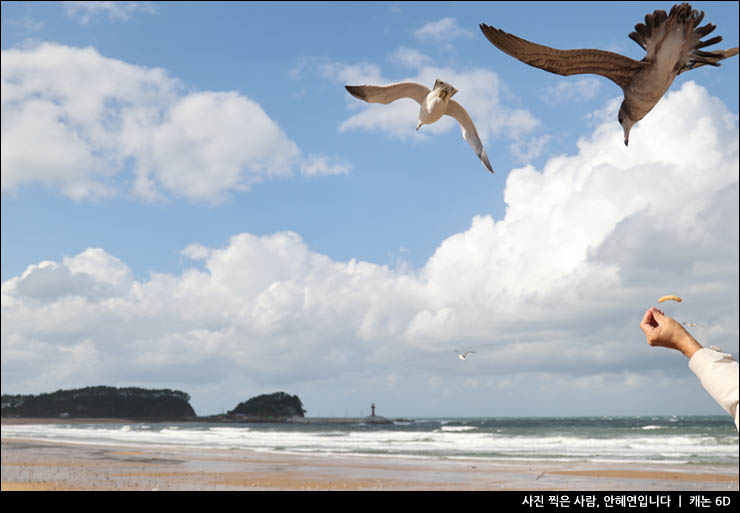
(687, 20)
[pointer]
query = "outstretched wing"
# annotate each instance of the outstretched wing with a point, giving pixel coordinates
(389, 93)
(469, 132)
(615, 67)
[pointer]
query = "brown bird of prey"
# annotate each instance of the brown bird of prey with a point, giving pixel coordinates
(434, 104)
(672, 43)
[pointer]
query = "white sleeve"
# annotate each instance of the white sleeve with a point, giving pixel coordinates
(718, 373)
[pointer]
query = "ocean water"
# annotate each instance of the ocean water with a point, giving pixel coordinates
(669, 440)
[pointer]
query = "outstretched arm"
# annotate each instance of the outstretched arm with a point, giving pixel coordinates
(717, 371)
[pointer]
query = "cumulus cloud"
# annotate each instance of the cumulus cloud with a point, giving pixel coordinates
(93, 274)
(550, 296)
(209, 143)
(100, 120)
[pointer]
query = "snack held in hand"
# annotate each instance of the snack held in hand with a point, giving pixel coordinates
(669, 298)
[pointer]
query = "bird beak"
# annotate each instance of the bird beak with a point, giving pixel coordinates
(626, 142)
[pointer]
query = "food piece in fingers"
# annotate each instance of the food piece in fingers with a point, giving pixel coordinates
(669, 298)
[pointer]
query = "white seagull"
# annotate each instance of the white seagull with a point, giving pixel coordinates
(434, 104)
(463, 356)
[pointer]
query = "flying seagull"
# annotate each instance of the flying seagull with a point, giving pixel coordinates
(673, 45)
(434, 104)
(463, 356)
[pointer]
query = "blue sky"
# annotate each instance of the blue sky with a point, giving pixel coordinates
(191, 199)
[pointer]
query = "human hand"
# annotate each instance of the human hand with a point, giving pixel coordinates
(662, 331)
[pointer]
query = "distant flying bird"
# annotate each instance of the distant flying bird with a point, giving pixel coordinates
(434, 104)
(672, 43)
(690, 324)
(463, 356)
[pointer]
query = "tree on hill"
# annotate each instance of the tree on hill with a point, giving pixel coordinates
(278, 404)
(101, 401)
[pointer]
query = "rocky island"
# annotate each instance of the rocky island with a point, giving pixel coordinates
(101, 402)
(270, 406)
(139, 404)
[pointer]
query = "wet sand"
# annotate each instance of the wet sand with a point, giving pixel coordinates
(37, 465)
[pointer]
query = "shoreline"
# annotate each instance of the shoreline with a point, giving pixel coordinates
(34, 465)
(205, 420)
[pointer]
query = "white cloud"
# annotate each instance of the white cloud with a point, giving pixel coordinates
(550, 296)
(98, 118)
(93, 274)
(443, 30)
(85, 11)
(210, 143)
(315, 165)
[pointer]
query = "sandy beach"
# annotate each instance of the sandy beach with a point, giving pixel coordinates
(35, 465)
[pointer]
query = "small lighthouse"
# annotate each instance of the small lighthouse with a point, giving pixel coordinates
(375, 419)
